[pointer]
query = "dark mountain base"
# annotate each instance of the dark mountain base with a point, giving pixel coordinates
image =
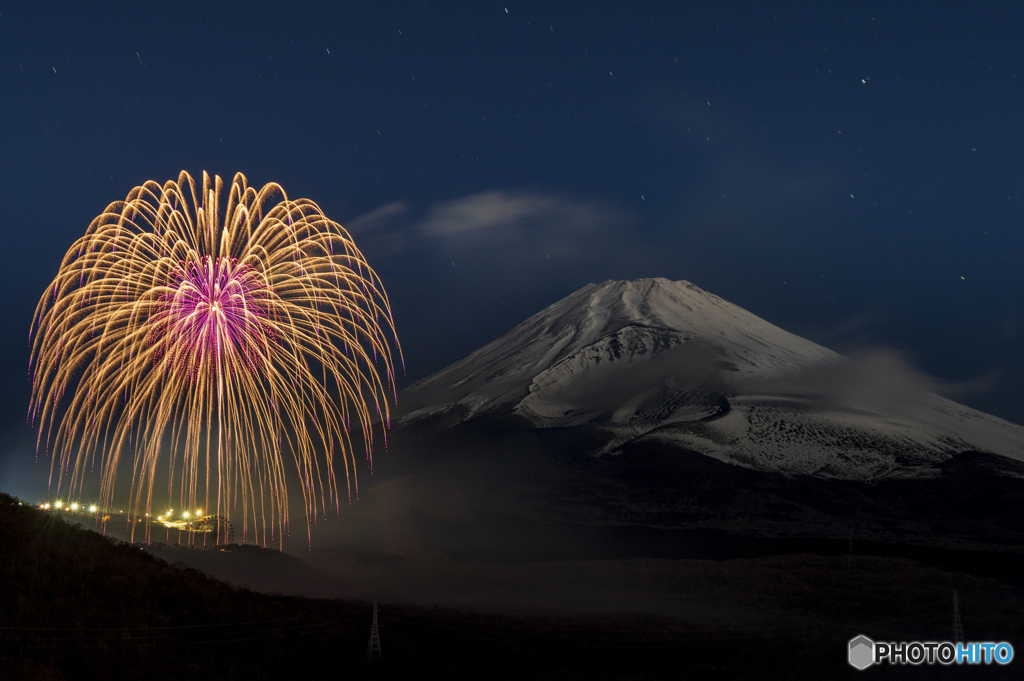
(542, 494)
(493, 538)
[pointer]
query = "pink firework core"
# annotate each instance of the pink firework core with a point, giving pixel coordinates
(214, 318)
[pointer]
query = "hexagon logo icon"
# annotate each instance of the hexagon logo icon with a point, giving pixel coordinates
(861, 652)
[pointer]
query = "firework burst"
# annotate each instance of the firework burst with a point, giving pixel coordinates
(221, 339)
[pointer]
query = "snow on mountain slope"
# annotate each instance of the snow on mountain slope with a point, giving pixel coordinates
(656, 359)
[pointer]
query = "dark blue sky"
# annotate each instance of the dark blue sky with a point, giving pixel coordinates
(849, 171)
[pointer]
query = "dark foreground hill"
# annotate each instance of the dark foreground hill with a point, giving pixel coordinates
(75, 605)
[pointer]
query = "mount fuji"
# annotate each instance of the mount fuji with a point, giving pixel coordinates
(651, 418)
(656, 361)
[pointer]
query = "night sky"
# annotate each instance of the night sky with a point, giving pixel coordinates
(851, 172)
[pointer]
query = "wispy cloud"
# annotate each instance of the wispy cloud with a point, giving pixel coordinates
(510, 222)
(510, 215)
(880, 380)
(382, 231)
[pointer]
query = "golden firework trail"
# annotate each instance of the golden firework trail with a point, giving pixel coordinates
(220, 339)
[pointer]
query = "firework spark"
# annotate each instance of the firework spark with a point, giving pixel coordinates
(220, 339)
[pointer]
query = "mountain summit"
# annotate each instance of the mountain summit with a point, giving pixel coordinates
(657, 360)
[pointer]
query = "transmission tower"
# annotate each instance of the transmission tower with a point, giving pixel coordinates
(373, 650)
(958, 627)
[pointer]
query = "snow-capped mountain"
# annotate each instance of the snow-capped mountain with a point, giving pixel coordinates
(656, 360)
